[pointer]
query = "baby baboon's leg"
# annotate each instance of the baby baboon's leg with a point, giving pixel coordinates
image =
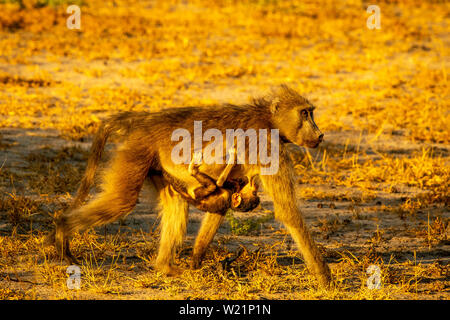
(224, 175)
(208, 184)
(211, 222)
(121, 184)
(174, 215)
(281, 189)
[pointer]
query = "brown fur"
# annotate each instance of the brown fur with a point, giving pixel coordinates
(146, 152)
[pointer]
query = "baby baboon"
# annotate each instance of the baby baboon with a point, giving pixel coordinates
(236, 194)
(146, 152)
(218, 197)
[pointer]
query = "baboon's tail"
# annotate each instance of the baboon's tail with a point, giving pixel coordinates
(121, 121)
(86, 183)
(95, 156)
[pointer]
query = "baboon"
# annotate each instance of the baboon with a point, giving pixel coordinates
(145, 152)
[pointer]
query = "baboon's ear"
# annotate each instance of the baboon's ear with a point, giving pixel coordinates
(236, 200)
(274, 105)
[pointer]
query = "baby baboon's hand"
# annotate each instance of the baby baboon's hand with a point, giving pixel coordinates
(195, 163)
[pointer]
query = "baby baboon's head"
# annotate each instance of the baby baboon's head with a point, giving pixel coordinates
(247, 198)
(293, 116)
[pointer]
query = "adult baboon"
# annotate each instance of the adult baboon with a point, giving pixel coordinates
(146, 151)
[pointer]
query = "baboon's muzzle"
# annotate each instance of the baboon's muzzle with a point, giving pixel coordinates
(315, 143)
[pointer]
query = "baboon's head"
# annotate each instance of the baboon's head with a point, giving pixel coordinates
(247, 199)
(293, 116)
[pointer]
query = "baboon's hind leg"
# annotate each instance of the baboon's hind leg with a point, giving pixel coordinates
(174, 216)
(62, 245)
(211, 222)
(121, 185)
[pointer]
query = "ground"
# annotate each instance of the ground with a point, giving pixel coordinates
(374, 193)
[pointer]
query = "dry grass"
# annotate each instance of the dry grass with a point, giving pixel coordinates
(376, 192)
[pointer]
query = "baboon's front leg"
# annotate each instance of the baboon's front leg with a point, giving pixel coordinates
(280, 187)
(211, 222)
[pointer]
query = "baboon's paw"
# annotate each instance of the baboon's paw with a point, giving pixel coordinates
(66, 259)
(325, 280)
(64, 254)
(196, 263)
(71, 259)
(170, 271)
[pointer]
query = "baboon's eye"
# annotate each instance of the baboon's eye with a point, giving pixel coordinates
(304, 113)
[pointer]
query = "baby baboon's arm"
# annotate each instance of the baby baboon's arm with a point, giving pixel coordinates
(208, 184)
